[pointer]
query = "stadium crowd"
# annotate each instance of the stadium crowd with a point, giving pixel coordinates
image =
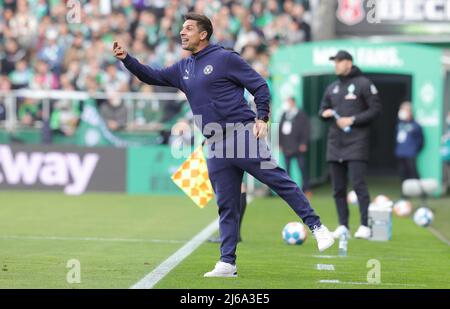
(43, 48)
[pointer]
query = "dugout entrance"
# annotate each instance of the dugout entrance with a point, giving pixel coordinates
(393, 89)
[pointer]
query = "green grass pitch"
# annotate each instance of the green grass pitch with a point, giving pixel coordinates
(119, 239)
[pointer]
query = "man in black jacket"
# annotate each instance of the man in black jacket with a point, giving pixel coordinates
(350, 104)
(294, 137)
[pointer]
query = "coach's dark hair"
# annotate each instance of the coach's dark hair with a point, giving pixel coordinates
(203, 23)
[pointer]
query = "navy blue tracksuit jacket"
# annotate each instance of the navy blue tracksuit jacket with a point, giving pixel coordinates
(214, 80)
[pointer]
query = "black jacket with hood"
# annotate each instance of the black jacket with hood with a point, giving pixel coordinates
(350, 95)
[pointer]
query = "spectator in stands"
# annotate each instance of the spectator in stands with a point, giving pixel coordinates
(29, 111)
(52, 53)
(76, 51)
(262, 16)
(149, 25)
(13, 53)
(248, 34)
(114, 79)
(43, 78)
(5, 20)
(294, 35)
(65, 116)
(140, 49)
(249, 53)
(5, 86)
(146, 110)
(72, 73)
(21, 76)
(223, 38)
(90, 68)
(40, 8)
(114, 112)
(23, 24)
(298, 16)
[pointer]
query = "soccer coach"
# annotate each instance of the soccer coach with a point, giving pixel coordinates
(352, 103)
(213, 80)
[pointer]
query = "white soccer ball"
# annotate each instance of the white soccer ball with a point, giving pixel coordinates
(352, 198)
(423, 217)
(403, 208)
(381, 200)
(294, 233)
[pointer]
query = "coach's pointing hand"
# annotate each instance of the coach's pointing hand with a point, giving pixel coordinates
(119, 51)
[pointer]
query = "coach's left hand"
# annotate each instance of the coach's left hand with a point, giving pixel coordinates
(260, 128)
(344, 122)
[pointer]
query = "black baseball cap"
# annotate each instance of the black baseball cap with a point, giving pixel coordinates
(342, 55)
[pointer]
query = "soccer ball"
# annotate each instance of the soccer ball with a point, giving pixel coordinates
(352, 198)
(294, 233)
(403, 208)
(381, 200)
(423, 217)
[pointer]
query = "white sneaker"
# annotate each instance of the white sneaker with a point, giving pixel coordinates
(341, 230)
(222, 269)
(363, 232)
(324, 238)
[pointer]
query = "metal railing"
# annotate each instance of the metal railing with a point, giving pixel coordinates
(46, 97)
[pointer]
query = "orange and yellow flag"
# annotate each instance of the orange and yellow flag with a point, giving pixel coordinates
(192, 177)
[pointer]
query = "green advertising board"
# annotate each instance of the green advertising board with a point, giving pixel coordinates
(289, 66)
(149, 170)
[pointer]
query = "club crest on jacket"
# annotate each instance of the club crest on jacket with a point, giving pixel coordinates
(351, 95)
(208, 69)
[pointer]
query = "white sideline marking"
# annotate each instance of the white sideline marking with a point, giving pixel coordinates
(439, 235)
(366, 283)
(325, 256)
(172, 261)
(325, 267)
(139, 240)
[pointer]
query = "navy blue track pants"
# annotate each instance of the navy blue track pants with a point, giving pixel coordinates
(226, 176)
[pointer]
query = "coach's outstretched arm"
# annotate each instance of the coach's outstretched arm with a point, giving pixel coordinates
(169, 76)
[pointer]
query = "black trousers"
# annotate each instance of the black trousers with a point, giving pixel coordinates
(356, 171)
(407, 168)
(302, 165)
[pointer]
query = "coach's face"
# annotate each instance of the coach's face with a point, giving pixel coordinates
(343, 67)
(191, 35)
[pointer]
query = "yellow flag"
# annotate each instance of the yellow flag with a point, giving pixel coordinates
(192, 177)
